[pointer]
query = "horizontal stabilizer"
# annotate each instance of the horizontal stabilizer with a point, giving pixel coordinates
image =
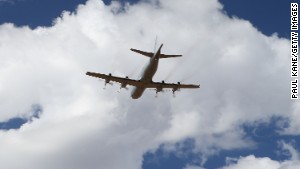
(149, 54)
(168, 56)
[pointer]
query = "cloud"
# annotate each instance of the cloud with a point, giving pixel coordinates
(8, 1)
(264, 162)
(294, 128)
(193, 167)
(17, 122)
(291, 151)
(253, 162)
(243, 76)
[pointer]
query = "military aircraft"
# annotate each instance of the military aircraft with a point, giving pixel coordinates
(146, 80)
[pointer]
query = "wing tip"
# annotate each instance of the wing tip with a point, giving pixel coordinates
(90, 73)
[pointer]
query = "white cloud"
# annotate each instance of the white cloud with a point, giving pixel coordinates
(184, 125)
(243, 75)
(292, 152)
(251, 161)
(265, 162)
(193, 167)
(294, 117)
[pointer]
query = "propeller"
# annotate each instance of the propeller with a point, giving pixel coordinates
(107, 81)
(158, 89)
(123, 85)
(175, 89)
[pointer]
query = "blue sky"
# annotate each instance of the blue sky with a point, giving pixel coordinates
(267, 16)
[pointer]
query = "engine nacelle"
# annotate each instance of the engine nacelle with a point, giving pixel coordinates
(159, 89)
(106, 81)
(123, 85)
(176, 89)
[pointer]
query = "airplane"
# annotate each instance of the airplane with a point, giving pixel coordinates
(146, 80)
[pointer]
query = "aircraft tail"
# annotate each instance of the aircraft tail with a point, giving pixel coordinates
(150, 54)
(164, 55)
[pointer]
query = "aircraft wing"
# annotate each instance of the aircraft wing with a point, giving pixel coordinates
(132, 82)
(109, 78)
(174, 86)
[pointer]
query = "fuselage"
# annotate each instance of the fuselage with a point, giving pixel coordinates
(147, 75)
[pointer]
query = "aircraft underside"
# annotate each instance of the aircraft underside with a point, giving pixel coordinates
(146, 79)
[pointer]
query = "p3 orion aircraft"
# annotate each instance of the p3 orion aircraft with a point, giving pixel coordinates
(146, 80)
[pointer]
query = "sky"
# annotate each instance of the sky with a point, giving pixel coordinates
(54, 116)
